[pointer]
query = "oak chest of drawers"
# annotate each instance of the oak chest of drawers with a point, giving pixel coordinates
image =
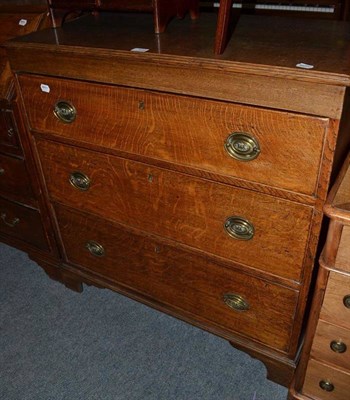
(22, 215)
(324, 372)
(192, 183)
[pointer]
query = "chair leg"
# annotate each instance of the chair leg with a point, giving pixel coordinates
(222, 26)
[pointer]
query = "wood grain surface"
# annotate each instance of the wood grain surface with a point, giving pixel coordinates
(180, 279)
(333, 309)
(318, 371)
(183, 208)
(183, 130)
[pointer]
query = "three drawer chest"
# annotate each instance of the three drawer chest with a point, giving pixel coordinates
(191, 182)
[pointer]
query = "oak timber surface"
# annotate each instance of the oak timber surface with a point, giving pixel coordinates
(258, 40)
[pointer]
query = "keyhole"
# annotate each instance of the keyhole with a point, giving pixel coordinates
(150, 178)
(141, 105)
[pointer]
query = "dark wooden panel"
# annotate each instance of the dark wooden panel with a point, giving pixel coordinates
(22, 223)
(14, 179)
(9, 141)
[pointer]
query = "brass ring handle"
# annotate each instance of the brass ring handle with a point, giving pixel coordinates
(236, 302)
(338, 346)
(326, 385)
(242, 146)
(2, 171)
(11, 224)
(239, 228)
(346, 301)
(79, 180)
(65, 111)
(95, 248)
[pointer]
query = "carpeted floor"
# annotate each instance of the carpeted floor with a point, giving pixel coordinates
(56, 344)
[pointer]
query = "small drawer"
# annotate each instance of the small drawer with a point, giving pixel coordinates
(228, 299)
(258, 230)
(14, 179)
(274, 148)
(22, 223)
(326, 383)
(343, 256)
(332, 345)
(336, 303)
(9, 142)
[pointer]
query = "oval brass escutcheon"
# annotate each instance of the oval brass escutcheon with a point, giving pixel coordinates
(2, 171)
(326, 385)
(95, 248)
(242, 146)
(239, 228)
(338, 346)
(236, 302)
(65, 111)
(346, 301)
(79, 180)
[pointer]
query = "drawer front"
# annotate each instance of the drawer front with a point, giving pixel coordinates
(317, 373)
(177, 278)
(186, 131)
(332, 345)
(343, 256)
(14, 179)
(9, 141)
(22, 223)
(177, 206)
(336, 303)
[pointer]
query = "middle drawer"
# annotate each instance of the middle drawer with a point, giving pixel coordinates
(250, 228)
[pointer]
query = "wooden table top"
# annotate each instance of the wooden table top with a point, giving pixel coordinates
(266, 45)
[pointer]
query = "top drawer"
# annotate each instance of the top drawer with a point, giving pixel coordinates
(285, 149)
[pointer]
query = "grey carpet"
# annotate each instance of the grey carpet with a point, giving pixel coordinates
(56, 344)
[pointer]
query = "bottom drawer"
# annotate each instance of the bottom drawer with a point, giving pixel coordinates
(22, 223)
(209, 293)
(326, 383)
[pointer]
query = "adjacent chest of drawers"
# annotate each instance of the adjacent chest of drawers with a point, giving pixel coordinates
(191, 183)
(324, 372)
(21, 219)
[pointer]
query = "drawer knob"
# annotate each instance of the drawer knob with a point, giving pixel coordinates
(2, 171)
(79, 180)
(346, 301)
(239, 228)
(338, 346)
(65, 111)
(236, 302)
(12, 223)
(242, 146)
(95, 248)
(327, 386)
